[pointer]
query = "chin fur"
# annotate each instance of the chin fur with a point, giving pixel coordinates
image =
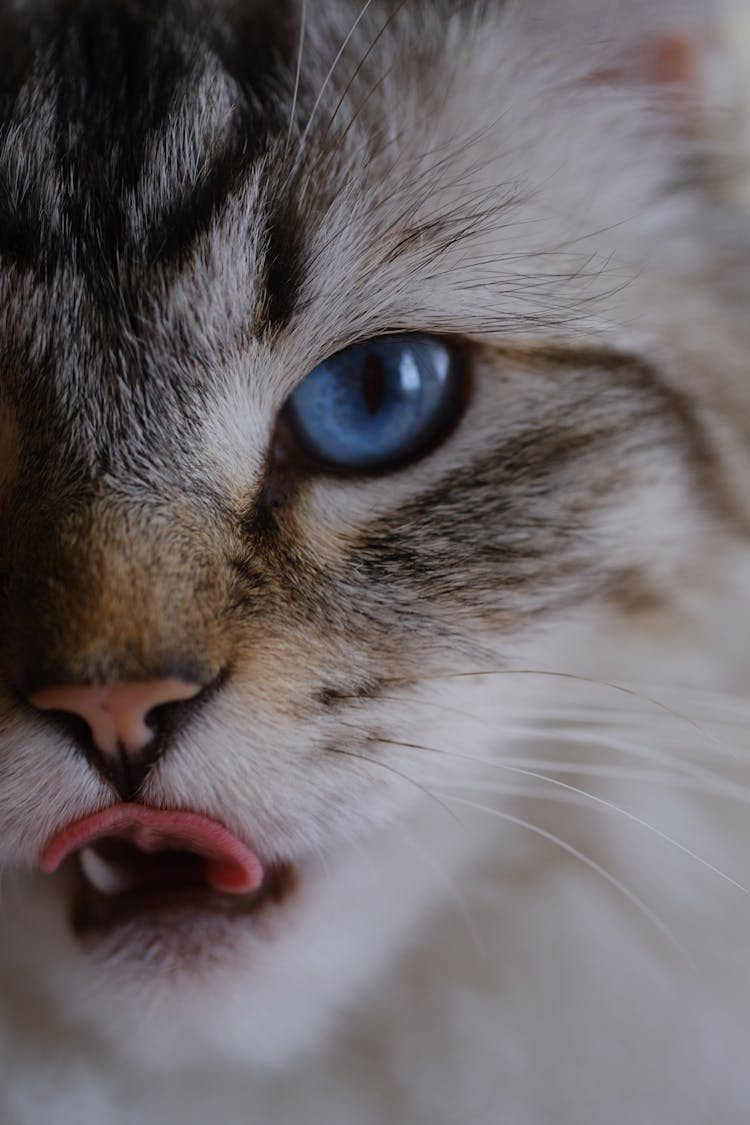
(490, 706)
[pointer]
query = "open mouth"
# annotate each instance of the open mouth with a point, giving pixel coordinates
(139, 864)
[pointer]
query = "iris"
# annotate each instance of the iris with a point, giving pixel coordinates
(377, 404)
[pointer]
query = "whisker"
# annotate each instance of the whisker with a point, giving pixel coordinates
(606, 742)
(685, 770)
(453, 891)
(303, 29)
(320, 853)
(594, 798)
(397, 773)
(591, 713)
(574, 677)
(679, 779)
(594, 769)
(569, 848)
(329, 76)
(635, 819)
(689, 776)
(362, 62)
(558, 733)
(365, 150)
(712, 786)
(524, 792)
(686, 773)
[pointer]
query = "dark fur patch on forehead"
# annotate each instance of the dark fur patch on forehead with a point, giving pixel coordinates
(21, 242)
(16, 52)
(115, 67)
(115, 62)
(191, 210)
(284, 264)
(111, 77)
(257, 42)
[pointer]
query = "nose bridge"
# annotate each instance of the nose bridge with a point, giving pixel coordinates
(111, 595)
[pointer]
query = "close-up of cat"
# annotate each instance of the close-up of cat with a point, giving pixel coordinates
(375, 562)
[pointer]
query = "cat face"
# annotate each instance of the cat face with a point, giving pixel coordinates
(189, 226)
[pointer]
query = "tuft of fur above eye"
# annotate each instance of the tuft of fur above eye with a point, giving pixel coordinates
(376, 405)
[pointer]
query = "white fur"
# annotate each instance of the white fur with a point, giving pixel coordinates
(441, 964)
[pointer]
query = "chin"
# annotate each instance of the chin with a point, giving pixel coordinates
(174, 986)
(177, 976)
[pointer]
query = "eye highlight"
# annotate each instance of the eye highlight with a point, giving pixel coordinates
(375, 405)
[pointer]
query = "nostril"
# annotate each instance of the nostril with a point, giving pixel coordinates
(120, 716)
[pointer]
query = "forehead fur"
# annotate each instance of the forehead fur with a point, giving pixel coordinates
(189, 215)
(131, 130)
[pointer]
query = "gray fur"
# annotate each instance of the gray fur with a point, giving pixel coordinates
(188, 226)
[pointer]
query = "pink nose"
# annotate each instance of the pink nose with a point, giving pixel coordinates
(115, 713)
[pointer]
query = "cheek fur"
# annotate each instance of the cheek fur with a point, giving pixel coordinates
(486, 713)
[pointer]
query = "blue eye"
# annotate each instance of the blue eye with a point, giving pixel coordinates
(376, 404)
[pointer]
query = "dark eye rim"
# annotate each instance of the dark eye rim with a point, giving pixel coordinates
(291, 454)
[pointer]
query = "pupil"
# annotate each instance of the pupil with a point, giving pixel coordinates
(373, 384)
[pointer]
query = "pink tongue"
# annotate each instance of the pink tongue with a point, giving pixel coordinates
(230, 865)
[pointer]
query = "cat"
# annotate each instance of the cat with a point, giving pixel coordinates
(374, 578)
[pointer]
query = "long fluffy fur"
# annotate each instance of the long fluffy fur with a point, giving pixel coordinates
(491, 706)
